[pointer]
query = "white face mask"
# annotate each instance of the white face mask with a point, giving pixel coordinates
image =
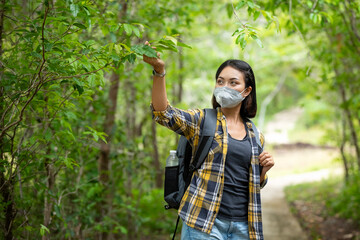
(228, 97)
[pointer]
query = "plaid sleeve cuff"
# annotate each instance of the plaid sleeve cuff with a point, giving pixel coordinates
(264, 182)
(159, 114)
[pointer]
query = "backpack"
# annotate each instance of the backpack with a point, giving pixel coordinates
(177, 178)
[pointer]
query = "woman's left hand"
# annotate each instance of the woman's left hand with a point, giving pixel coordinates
(266, 161)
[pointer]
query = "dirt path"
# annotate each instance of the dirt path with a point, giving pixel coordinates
(294, 163)
(279, 223)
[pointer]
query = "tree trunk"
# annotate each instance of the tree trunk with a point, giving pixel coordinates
(178, 95)
(103, 163)
(6, 187)
(350, 121)
(158, 170)
(104, 160)
(2, 14)
(6, 183)
(342, 150)
(48, 203)
(269, 98)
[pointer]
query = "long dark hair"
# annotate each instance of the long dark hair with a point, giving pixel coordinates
(249, 105)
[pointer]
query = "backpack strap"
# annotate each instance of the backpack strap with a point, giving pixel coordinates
(206, 138)
(177, 223)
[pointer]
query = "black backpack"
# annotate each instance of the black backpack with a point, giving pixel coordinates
(177, 178)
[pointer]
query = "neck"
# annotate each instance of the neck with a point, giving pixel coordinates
(232, 114)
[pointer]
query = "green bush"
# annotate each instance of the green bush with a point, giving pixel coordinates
(154, 217)
(339, 198)
(347, 202)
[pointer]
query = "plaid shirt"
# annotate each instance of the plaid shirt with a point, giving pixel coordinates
(201, 202)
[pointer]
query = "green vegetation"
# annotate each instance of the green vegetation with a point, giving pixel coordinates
(80, 157)
(331, 197)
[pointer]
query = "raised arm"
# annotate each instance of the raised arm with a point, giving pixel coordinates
(159, 97)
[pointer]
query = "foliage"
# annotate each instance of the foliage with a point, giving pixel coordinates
(347, 202)
(62, 63)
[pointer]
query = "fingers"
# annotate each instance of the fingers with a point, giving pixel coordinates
(147, 43)
(157, 53)
(266, 159)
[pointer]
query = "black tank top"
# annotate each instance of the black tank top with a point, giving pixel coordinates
(234, 203)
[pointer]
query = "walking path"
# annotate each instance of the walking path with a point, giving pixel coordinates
(279, 223)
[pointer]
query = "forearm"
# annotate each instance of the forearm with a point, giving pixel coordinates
(159, 97)
(263, 179)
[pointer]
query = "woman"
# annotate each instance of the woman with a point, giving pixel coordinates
(223, 198)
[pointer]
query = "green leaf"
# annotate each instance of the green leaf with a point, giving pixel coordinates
(143, 49)
(125, 46)
(57, 210)
(256, 15)
(258, 41)
(165, 44)
(122, 229)
(113, 37)
(111, 46)
(136, 31)
(74, 8)
(128, 29)
(48, 135)
(172, 39)
(86, 10)
(48, 46)
(181, 44)
(95, 136)
(240, 5)
(43, 229)
(242, 41)
(80, 89)
(236, 32)
(69, 162)
(118, 48)
(131, 58)
(79, 25)
(35, 54)
(229, 10)
(115, 57)
(114, 28)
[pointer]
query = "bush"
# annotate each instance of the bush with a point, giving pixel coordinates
(155, 220)
(347, 202)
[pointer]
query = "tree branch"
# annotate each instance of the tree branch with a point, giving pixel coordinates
(314, 5)
(352, 20)
(237, 16)
(301, 35)
(78, 75)
(2, 14)
(43, 42)
(3, 131)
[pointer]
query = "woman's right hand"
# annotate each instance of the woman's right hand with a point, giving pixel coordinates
(156, 63)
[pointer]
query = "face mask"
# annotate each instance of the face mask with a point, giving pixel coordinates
(228, 97)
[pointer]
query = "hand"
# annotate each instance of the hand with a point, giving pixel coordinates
(156, 63)
(266, 161)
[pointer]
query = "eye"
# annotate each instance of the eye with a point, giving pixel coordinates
(219, 81)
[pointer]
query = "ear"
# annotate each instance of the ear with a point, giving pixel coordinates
(248, 91)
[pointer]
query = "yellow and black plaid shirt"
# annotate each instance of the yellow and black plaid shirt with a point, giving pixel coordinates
(201, 201)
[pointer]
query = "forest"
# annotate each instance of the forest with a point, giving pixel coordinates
(81, 157)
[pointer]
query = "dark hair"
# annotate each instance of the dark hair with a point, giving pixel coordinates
(249, 105)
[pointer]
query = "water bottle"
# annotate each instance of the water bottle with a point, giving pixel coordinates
(172, 159)
(171, 175)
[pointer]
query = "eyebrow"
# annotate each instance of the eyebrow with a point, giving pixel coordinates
(234, 78)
